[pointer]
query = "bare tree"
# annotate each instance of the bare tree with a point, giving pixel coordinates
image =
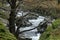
(12, 16)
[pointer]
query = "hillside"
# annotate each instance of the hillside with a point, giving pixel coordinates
(43, 7)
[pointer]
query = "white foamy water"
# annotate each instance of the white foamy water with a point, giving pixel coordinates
(33, 33)
(36, 37)
(35, 23)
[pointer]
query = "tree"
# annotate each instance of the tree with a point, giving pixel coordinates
(12, 16)
(13, 9)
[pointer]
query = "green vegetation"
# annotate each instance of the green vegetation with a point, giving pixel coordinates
(52, 32)
(56, 24)
(5, 34)
(4, 15)
(43, 7)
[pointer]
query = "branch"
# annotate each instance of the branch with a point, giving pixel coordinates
(18, 3)
(31, 14)
(2, 1)
(4, 9)
(27, 30)
(8, 2)
(34, 27)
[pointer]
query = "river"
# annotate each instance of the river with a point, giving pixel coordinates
(33, 34)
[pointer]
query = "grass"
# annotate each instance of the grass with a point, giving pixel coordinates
(52, 32)
(5, 34)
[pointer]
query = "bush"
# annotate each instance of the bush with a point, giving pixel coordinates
(52, 32)
(56, 23)
(4, 15)
(5, 34)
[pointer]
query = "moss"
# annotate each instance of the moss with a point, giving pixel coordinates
(5, 34)
(52, 32)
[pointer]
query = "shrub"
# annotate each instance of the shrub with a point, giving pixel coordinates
(56, 23)
(5, 34)
(52, 32)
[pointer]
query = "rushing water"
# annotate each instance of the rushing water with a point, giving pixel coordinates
(33, 33)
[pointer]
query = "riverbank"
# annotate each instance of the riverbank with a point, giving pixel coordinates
(52, 32)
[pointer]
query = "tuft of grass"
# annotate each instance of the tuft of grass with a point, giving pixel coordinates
(56, 23)
(5, 34)
(52, 32)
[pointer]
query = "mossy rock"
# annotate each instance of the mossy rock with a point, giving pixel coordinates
(5, 34)
(52, 32)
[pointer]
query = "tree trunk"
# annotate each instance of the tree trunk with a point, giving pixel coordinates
(12, 17)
